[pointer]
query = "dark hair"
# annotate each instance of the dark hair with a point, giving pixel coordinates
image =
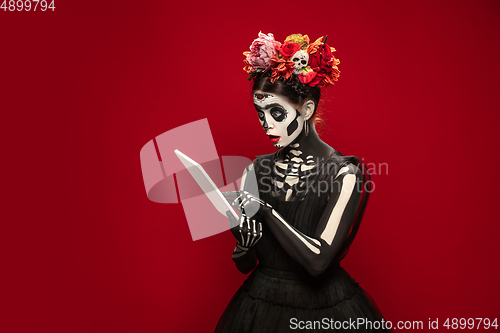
(295, 91)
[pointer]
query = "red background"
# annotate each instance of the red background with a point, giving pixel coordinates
(83, 88)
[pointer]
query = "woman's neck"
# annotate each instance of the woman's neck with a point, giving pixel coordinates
(308, 145)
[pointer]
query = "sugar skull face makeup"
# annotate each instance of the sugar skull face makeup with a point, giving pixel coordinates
(280, 119)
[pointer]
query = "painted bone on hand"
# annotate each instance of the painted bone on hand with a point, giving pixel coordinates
(247, 233)
(315, 252)
(249, 203)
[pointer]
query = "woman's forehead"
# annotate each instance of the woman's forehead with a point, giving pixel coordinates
(262, 98)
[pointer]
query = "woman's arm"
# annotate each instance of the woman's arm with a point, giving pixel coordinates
(245, 260)
(247, 231)
(315, 253)
(247, 234)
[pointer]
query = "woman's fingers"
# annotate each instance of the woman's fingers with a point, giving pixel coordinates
(248, 231)
(259, 232)
(240, 198)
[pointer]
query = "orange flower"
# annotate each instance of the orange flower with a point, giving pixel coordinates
(331, 78)
(328, 81)
(266, 54)
(312, 48)
(284, 68)
(247, 68)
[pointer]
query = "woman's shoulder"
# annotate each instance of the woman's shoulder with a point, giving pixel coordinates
(265, 157)
(346, 164)
(263, 160)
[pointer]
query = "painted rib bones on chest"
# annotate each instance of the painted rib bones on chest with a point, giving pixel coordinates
(293, 172)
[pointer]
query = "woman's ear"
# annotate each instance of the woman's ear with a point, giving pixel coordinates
(308, 109)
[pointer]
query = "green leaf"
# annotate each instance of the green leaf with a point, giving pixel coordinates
(252, 76)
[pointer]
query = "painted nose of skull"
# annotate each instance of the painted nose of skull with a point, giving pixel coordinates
(266, 125)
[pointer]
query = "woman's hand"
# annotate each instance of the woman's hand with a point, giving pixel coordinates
(249, 203)
(247, 233)
(315, 252)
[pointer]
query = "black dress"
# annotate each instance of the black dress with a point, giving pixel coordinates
(279, 295)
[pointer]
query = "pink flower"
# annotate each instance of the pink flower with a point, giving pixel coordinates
(261, 51)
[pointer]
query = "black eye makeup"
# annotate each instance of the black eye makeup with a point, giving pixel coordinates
(279, 114)
(261, 115)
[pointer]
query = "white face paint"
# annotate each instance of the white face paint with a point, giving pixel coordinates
(280, 119)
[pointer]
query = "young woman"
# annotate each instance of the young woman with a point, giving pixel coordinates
(299, 219)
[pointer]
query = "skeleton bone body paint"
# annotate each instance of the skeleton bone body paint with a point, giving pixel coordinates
(293, 172)
(314, 252)
(284, 123)
(280, 119)
(248, 234)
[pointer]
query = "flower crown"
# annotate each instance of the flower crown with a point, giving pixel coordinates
(313, 63)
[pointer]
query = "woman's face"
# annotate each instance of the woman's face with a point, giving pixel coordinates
(280, 119)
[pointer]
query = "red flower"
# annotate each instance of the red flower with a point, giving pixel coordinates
(307, 76)
(268, 55)
(322, 60)
(316, 80)
(288, 49)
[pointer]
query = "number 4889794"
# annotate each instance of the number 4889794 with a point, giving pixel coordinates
(27, 5)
